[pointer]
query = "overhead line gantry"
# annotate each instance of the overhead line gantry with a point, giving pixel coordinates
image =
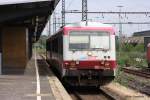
(84, 10)
(63, 12)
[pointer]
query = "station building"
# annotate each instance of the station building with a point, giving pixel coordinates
(142, 37)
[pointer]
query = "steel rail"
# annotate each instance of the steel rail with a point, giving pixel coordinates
(137, 72)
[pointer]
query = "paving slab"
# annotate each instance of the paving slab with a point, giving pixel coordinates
(22, 85)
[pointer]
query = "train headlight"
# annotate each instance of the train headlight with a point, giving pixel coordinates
(89, 53)
(107, 64)
(102, 62)
(72, 64)
(66, 64)
(77, 62)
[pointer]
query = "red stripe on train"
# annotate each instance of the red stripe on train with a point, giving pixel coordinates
(90, 64)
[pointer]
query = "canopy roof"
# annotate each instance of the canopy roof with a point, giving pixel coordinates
(26, 13)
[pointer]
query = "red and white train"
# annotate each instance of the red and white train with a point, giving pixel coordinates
(83, 53)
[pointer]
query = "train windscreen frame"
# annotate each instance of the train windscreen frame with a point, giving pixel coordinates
(89, 40)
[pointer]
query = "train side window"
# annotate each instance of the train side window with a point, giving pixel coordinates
(56, 45)
(48, 45)
(53, 45)
(60, 44)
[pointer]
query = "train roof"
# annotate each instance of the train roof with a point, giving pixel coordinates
(83, 24)
(87, 24)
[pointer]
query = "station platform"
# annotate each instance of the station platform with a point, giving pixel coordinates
(35, 82)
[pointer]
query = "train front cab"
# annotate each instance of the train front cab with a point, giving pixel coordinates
(85, 62)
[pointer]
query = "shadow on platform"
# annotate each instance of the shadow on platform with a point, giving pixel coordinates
(42, 67)
(13, 70)
(29, 69)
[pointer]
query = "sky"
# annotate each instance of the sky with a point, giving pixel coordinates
(109, 5)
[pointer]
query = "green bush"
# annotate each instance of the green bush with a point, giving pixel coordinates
(127, 47)
(132, 55)
(123, 58)
(139, 48)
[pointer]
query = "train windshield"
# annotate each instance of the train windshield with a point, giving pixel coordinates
(89, 40)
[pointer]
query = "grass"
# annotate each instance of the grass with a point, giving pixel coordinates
(130, 56)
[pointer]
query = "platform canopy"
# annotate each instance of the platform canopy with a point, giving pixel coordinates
(6, 2)
(26, 13)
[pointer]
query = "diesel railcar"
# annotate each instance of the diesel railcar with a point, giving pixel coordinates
(83, 53)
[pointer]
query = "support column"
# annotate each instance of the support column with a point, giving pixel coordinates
(15, 48)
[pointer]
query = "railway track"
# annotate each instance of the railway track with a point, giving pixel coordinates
(142, 73)
(88, 93)
(137, 85)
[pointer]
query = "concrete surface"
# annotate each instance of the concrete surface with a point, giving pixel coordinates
(119, 92)
(23, 86)
(58, 90)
